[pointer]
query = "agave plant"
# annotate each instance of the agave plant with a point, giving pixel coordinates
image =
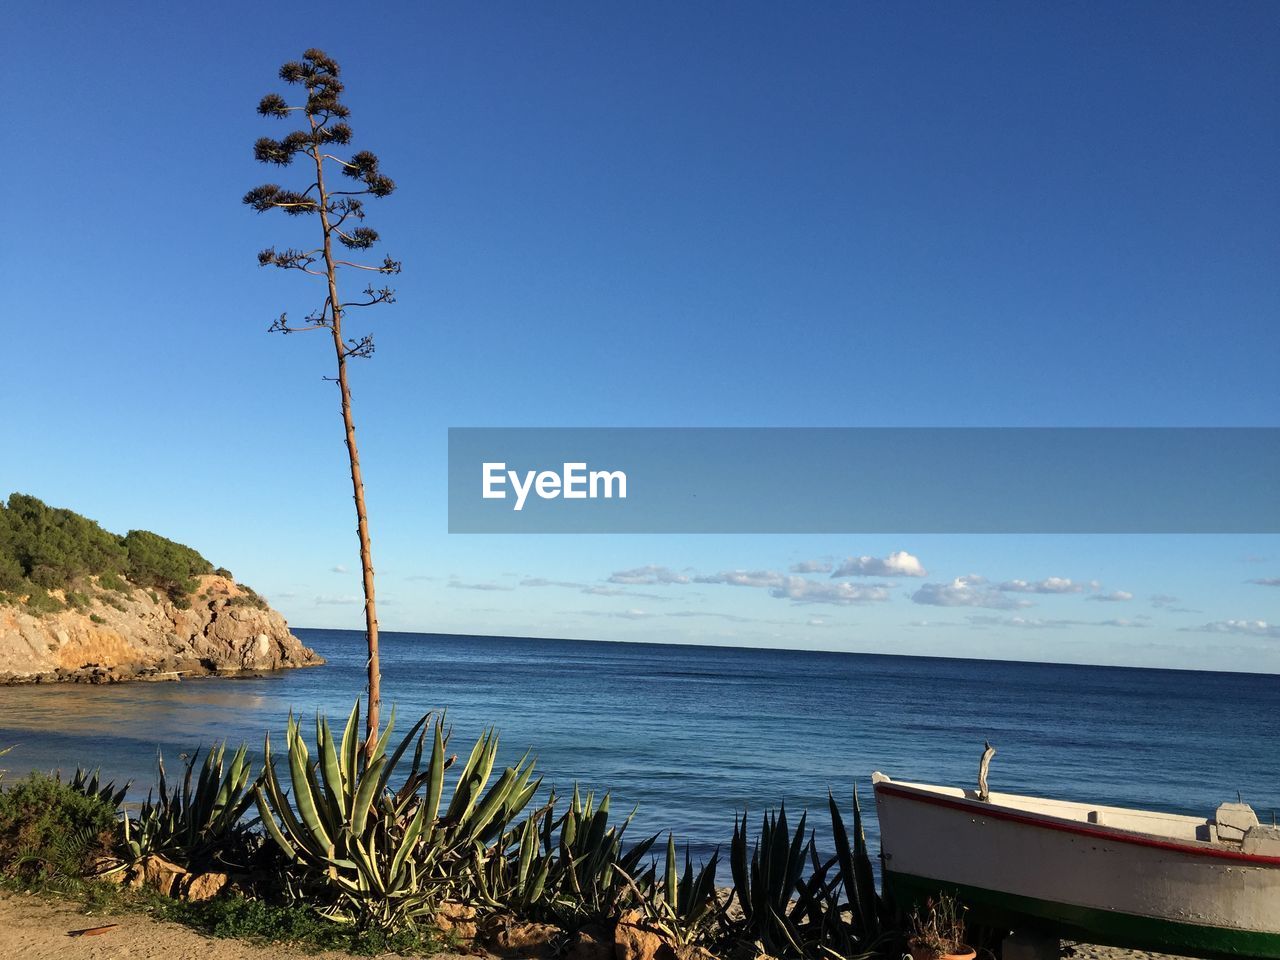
(867, 916)
(591, 857)
(384, 855)
(517, 877)
(572, 870)
(829, 909)
(200, 821)
(91, 785)
(685, 904)
(769, 883)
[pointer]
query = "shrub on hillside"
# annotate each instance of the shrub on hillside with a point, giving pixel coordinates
(40, 601)
(53, 546)
(111, 581)
(161, 563)
(46, 548)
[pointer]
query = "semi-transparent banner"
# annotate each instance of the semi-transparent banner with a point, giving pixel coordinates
(864, 480)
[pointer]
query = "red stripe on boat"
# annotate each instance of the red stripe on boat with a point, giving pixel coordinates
(1002, 813)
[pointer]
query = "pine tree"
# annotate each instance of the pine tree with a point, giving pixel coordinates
(341, 218)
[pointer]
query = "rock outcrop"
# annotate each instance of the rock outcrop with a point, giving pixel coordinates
(140, 634)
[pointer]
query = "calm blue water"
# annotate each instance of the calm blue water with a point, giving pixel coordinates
(692, 734)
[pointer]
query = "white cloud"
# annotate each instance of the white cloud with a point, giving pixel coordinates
(338, 601)
(632, 614)
(800, 590)
(541, 582)
(1047, 585)
(967, 591)
(1163, 600)
(1037, 623)
(599, 591)
(1267, 581)
(746, 578)
(340, 568)
(1115, 596)
(731, 617)
(650, 574)
(1246, 628)
(897, 564)
(458, 584)
(811, 566)
(595, 591)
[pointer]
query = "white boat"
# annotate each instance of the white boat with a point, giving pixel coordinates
(1201, 887)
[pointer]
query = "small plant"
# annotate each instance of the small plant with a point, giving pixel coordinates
(867, 924)
(97, 618)
(684, 906)
(200, 822)
(794, 903)
(52, 829)
(938, 930)
(259, 921)
(572, 870)
(110, 581)
(40, 601)
(91, 785)
(592, 879)
(768, 881)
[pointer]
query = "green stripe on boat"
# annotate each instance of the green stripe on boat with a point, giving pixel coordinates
(1089, 923)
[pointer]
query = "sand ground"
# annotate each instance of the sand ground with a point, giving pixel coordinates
(35, 928)
(1087, 951)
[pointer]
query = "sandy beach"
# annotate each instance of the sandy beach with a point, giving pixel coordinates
(1089, 951)
(36, 928)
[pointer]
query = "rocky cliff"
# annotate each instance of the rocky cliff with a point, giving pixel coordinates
(139, 634)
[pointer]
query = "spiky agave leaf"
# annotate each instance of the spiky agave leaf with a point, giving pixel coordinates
(379, 848)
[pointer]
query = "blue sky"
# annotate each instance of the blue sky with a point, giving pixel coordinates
(663, 214)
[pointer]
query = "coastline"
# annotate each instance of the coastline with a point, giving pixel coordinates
(128, 633)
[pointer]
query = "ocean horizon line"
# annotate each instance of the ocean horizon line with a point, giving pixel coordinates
(797, 650)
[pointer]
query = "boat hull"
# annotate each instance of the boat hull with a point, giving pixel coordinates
(1078, 880)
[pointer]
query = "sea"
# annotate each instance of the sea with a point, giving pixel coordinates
(688, 737)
